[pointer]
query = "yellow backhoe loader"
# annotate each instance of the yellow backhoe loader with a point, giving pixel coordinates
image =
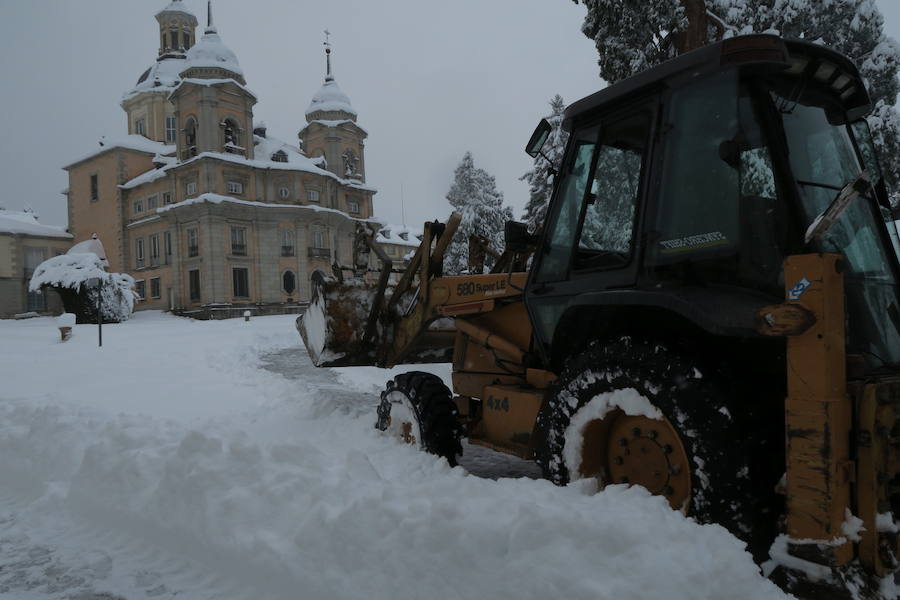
(710, 311)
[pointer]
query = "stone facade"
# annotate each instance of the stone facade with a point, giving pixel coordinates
(204, 208)
(24, 244)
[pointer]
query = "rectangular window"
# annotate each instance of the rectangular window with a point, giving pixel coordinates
(139, 253)
(167, 246)
(191, 188)
(287, 242)
(154, 287)
(193, 243)
(353, 206)
(235, 187)
(95, 188)
(194, 284)
(239, 241)
(141, 288)
(167, 197)
(240, 281)
(152, 202)
(33, 257)
(312, 195)
(319, 238)
(154, 249)
(36, 302)
(139, 127)
(138, 206)
(171, 131)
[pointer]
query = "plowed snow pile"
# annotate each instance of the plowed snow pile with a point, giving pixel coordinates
(172, 435)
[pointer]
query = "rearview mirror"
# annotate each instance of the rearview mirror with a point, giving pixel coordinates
(538, 138)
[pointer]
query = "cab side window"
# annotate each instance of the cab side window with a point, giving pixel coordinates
(606, 239)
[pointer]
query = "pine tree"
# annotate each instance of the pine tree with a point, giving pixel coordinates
(474, 195)
(633, 36)
(539, 177)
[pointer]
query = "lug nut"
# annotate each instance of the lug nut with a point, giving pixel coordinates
(636, 431)
(652, 434)
(667, 449)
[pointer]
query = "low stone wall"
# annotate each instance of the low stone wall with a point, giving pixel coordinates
(233, 311)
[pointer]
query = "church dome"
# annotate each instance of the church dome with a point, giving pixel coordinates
(176, 6)
(330, 98)
(211, 52)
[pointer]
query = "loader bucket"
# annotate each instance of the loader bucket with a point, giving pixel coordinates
(334, 325)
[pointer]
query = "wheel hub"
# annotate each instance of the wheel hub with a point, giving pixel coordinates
(648, 452)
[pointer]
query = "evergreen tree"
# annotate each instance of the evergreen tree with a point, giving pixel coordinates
(633, 36)
(539, 177)
(474, 195)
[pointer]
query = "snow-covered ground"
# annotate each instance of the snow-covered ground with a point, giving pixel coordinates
(210, 460)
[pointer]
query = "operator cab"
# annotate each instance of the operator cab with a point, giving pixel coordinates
(684, 188)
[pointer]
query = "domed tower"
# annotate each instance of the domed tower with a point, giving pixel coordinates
(213, 107)
(150, 114)
(176, 30)
(331, 129)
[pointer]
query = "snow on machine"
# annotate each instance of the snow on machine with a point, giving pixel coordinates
(711, 312)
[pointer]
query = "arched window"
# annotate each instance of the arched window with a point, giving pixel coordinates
(287, 242)
(289, 282)
(190, 138)
(280, 156)
(232, 136)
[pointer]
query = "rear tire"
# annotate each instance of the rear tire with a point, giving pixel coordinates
(698, 408)
(417, 408)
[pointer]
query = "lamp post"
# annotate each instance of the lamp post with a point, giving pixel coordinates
(97, 284)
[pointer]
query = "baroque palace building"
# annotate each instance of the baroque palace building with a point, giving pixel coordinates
(199, 204)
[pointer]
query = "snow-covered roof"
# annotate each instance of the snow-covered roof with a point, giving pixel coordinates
(208, 82)
(296, 162)
(27, 223)
(161, 77)
(336, 122)
(176, 6)
(210, 51)
(131, 142)
(219, 199)
(399, 235)
(92, 246)
(330, 97)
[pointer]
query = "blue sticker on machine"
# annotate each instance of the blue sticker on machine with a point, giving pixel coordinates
(798, 289)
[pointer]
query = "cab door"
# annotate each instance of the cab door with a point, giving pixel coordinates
(590, 241)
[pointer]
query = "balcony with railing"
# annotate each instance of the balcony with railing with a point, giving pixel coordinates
(239, 249)
(319, 252)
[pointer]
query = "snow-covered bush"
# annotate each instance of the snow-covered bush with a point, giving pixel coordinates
(68, 274)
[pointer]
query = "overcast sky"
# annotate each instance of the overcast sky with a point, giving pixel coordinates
(430, 80)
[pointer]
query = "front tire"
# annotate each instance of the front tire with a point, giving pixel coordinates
(417, 408)
(665, 425)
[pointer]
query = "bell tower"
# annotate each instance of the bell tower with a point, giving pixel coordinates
(176, 30)
(331, 131)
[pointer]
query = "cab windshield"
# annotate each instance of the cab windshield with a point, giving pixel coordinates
(824, 158)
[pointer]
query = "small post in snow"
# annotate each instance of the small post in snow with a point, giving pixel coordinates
(97, 284)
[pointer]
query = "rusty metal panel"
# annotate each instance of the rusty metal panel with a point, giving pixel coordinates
(818, 411)
(508, 416)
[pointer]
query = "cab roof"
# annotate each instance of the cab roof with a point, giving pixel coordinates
(793, 57)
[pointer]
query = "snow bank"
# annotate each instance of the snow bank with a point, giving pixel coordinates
(286, 486)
